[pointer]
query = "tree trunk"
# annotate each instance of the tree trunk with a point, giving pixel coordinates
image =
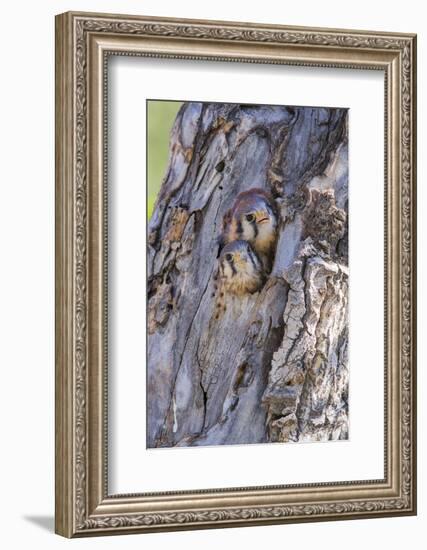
(275, 367)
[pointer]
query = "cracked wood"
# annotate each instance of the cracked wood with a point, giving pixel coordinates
(274, 366)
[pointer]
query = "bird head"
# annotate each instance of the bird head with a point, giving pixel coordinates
(237, 258)
(255, 214)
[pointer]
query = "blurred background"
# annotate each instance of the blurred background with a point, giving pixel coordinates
(160, 116)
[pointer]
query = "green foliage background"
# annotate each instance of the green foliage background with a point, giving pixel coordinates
(160, 119)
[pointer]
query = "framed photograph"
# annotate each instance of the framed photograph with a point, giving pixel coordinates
(235, 274)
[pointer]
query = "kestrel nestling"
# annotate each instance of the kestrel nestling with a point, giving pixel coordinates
(240, 269)
(253, 218)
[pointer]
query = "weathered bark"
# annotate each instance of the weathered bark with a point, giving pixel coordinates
(274, 368)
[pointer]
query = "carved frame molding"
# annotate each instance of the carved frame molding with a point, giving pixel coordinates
(83, 42)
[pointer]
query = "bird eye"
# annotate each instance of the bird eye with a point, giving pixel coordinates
(229, 257)
(250, 217)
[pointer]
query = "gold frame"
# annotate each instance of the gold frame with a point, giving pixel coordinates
(83, 43)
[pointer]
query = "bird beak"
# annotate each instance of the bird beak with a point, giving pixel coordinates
(263, 220)
(238, 259)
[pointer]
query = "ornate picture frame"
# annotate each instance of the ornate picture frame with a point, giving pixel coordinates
(84, 42)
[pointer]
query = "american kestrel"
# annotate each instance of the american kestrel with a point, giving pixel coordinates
(240, 269)
(253, 218)
(240, 272)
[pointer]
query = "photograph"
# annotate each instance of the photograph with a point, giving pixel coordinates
(247, 274)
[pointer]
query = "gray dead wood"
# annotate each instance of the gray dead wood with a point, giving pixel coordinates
(275, 366)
